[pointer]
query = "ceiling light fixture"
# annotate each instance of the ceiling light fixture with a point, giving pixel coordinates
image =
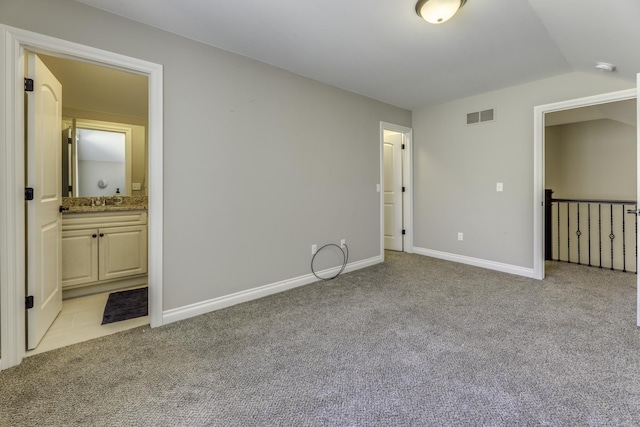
(438, 11)
(605, 66)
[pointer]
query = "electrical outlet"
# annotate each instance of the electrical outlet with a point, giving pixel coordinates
(460, 237)
(136, 186)
(314, 249)
(343, 242)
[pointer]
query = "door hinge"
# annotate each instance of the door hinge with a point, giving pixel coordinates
(28, 303)
(403, 146)
(403, 189)
(404, 232)
(68, 140)
(28, 193)
(28, 85)
(70, 188)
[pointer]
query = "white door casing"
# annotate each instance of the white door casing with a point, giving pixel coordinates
(407, 182)
(539, 113)
(392, 155)
(13, 42)
(638, 195)
(44, 175)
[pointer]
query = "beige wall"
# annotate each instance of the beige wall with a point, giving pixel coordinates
(457, 166)
(591, 160)
(259, 163)
(139, 169)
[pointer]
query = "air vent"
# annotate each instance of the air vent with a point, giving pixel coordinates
(481, 116)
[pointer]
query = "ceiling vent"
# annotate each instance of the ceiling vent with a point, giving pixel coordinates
(481, 116)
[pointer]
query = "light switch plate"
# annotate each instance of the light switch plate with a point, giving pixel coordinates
(499, 186)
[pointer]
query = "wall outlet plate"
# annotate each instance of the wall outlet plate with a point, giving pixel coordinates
(136, 186)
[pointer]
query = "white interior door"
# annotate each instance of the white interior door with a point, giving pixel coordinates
(44, 175)
(392, 158)
(638, 195)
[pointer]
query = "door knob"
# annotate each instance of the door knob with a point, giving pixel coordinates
(101, 234)
(94, 235)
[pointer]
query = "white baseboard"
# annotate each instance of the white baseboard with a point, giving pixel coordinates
(491, 265)
(181, 313)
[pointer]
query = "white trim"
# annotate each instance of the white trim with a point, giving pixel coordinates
(490, 265)
(214, 304)
(638, 190)
(407, 179)
(538, 163)
(14, 41)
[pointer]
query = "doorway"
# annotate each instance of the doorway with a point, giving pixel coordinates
(396, 198)
(590, 181)
(100, 159)
(539, 166)
(12, 248)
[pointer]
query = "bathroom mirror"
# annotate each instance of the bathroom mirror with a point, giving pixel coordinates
(100, 158)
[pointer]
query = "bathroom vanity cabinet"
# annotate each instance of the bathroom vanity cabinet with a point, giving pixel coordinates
(103, 251)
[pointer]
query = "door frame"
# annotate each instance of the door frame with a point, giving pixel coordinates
(539, 166)
(407, 181)
(13, 42)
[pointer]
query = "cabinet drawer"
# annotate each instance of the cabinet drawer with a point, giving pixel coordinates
(78, 221)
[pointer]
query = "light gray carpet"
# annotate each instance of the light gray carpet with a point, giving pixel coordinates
(413, 341)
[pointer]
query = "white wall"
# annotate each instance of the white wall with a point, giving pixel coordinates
(595, 159)
(259, 163)
(457, 167)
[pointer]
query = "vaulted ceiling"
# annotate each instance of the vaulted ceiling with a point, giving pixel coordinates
(382, 49)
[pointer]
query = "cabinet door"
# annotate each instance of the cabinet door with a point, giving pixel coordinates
(123, 251)
(79, 257)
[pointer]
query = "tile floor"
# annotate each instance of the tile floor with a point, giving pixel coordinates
(80, 321)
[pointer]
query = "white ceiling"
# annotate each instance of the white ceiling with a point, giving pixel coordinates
(382, 49)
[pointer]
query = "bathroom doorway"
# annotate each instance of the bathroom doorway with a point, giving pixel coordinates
(12, 298)
(98, 159)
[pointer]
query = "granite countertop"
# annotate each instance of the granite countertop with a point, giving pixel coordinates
(84, 204)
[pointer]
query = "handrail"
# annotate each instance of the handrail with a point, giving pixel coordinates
(607, 202)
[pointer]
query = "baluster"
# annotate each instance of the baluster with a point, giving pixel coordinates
(558, 212)
(600, 234)
(624, 243)
(589, 230)
(578, 232)
(568, 233)
(611, 236)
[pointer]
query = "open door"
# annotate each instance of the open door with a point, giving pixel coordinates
(44, 176)
(392, 164)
